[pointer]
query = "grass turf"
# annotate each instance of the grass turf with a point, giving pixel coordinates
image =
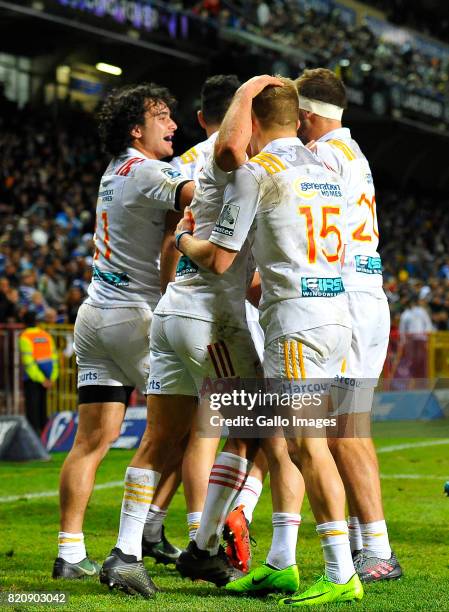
(417, 518)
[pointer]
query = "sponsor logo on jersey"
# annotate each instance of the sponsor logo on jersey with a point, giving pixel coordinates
(368, 265)
(106, 195)
(185, 266)
(87, 377)
(171, 174)
(154, 385)
(308, 189)
(347, 382)
(116, 279)
(227, 219)
(313, 286)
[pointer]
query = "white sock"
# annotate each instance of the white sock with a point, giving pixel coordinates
(336, 551)
(375, 539)
(153, 523)
(193, 522)
(249, 496)
(71, 547)
(226, 479)
(140, 486)
(355, 533)
(283, 545)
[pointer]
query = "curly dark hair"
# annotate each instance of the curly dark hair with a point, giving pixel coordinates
(123, 109)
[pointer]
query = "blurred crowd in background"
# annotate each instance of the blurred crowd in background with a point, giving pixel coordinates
(333, 42)
(48, 188)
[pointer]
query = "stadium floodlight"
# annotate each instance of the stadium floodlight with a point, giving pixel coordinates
(109, 68)
(344, 63)
(366, 67)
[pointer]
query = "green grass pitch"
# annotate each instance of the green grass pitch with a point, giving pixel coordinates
(416, 509)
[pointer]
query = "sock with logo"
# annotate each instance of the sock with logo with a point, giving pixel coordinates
(193, 522)
(140, 486)
(375, 539)
(71, 547)
(336, 550)
(152, 530)
(249, 496)
(355, 534)
(226, 479)
(285, 534)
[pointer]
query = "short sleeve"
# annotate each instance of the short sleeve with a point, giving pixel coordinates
(160, 182)
(240, 202)
(185, 169)
(212, 173)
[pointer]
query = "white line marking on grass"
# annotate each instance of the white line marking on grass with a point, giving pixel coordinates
(396, 447)
(384, 449)
(412, 477)
(55, 493)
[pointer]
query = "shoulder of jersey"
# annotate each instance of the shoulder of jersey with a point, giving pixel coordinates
(342, 148)
(129, 165)
(266, 163)
(191, 155)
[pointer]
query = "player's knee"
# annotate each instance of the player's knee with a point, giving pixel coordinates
(160, 443)
(304, 450)
(353, 447)
(98, 440)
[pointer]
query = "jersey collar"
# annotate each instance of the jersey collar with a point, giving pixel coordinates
(286, 141)
(132, 152)
(213, 137)
(342, 132)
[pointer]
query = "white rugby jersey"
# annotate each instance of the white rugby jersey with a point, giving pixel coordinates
(297, 210)
(198, 293)
(134, 195)
(362, 268)
(192, 161)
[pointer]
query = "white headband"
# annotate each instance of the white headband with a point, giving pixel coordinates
(323, 109)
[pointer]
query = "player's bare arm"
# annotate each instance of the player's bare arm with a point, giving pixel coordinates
(236, 129)
(204, 253)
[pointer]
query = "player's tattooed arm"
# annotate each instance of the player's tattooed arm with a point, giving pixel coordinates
(236, 128)
(169, 253)
(204, 253)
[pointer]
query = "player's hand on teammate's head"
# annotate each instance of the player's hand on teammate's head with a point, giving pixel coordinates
(312, 146)
(187, 224)
(256, 84)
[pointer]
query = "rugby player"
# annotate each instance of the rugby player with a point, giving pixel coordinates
(322, 98)
(295, 207)
(134, 221)
(216, 95)
(199, 332)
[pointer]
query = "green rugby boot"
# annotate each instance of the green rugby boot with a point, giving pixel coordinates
(267, 579)
(324, 591)
(74, 571)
